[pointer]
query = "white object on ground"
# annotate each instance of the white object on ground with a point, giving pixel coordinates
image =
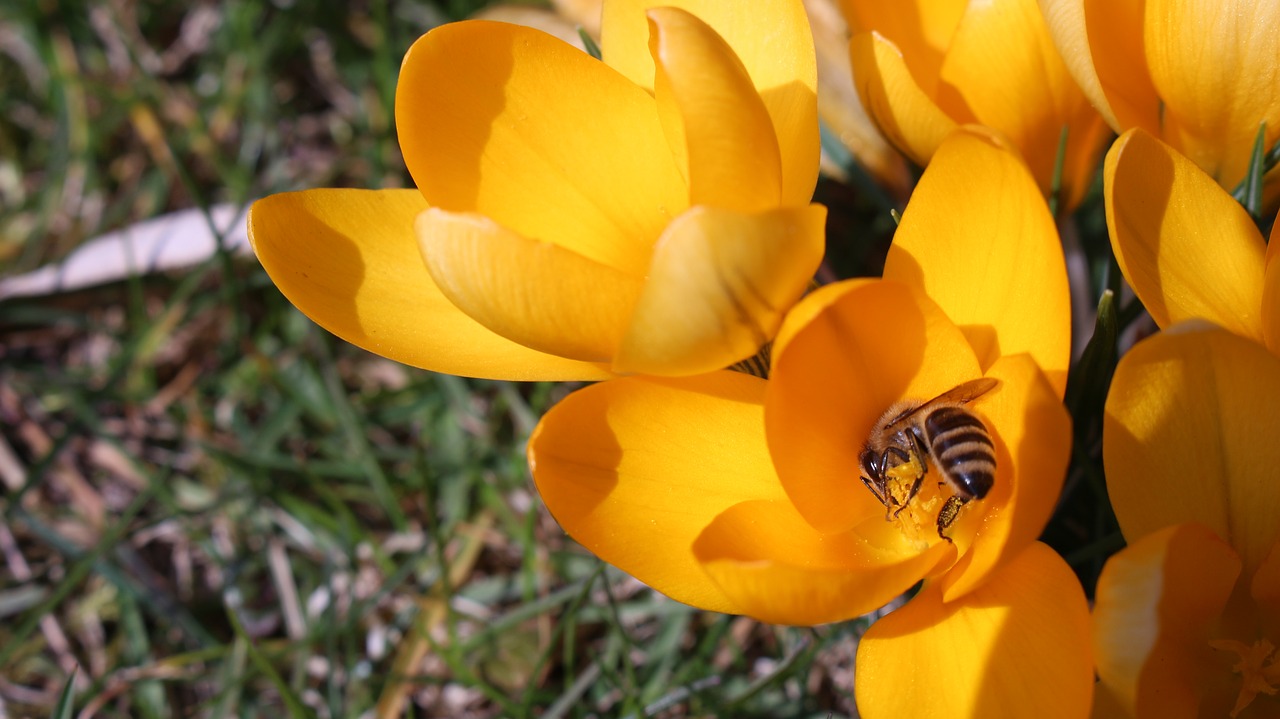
(168, 242)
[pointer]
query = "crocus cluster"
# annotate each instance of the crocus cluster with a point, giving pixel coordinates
(645, 220)
(1187, 618)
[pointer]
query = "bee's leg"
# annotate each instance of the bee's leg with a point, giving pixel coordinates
(879, 491)
(899, 453)
(921, 452)
(950, 510)
(901, 456)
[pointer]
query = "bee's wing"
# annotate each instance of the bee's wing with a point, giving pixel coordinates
(967, 392)
(960, 394)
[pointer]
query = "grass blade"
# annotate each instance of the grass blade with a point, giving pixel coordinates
(67, 699)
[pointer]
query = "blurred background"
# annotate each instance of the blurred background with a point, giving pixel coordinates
(213, 508)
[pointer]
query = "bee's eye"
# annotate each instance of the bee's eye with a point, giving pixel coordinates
(868, 461)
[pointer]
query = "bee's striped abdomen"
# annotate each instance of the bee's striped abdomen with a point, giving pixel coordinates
(962, 450)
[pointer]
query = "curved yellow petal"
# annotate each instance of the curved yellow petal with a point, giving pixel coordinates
(905, 114)
(1032, 433)
(771, 38)
(776, 568)
(509, 122)
(1271, 293)
(1101, 41)
(718, 287)
(1187, 248)
(1065, 20)
(635, 469)
(1016, 646)
(1216, 67)
(1154, 610)
(535, 293)
(1116, 39)
(1003, 71)
(840, 108)
(871, 344)
(921, 29)
(978, 239)
(729, 154)
(349, 260)
(1194, 410)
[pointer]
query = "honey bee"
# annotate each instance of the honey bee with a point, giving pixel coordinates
(942, 431)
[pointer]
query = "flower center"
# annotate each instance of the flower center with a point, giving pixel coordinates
(1258, 666)
(917, 518)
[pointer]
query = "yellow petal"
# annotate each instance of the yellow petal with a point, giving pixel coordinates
(839, 106)
(1101, 42)
(511, 123)
(1115, 38)
(1271, 293)
(1003, 71)
(1216, 67)
(349, 260)
(1016, 646)
(978, 239)
(774, 567)
(718, 287)
(1154, 609)
(835, 371)
(1032, 433)
(535, 293)
(1194, 410)
(635, 469)
(921, 29)
(729, 149)
(1066, 22)
(905, 114)
(772, 40)
(1187, 248)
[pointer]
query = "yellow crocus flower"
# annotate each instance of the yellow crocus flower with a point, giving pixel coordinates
(742, 495)
(576, 218)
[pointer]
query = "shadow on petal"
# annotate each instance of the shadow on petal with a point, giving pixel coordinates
(983, 338)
